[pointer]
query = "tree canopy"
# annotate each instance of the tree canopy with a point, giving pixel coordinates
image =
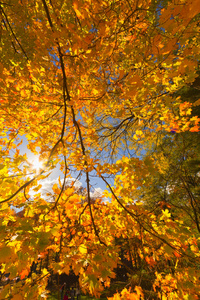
(106, 90)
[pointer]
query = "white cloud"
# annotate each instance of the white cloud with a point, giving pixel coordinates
(48, 194)
(98, 193)
(47, 184)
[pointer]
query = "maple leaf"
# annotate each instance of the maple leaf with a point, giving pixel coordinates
(96, 89)
(24, 273)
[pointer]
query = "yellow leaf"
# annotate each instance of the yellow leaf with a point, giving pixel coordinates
(82, 249)
(139, 292)
(78, 13)
(44, 272)
(196, 103)
(23, 93)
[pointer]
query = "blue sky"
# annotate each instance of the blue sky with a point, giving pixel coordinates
(97, 184)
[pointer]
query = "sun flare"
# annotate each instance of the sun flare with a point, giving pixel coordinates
(37, 164)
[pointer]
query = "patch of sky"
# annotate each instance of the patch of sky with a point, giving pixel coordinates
(93, 29)
(55, 59)
(151, 56)
(162, 28)
(78, 178)
(159, 6)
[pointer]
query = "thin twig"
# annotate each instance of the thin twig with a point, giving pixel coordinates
(13, 32)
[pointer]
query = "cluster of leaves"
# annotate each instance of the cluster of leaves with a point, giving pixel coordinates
(101, 88)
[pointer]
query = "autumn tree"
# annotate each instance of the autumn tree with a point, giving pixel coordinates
(94, 88)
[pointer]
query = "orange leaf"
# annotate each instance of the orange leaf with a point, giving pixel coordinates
(24, 273)
(194, 129)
